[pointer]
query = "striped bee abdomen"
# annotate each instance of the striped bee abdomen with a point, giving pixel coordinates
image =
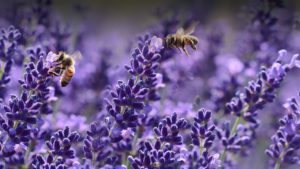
(67, 76)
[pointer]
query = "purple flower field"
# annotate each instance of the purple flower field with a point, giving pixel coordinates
(149, 84)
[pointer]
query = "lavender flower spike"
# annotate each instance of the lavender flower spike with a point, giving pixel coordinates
(286, 141)
(257, 94)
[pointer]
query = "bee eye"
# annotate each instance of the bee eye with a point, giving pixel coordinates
(168, 42)
(61, 57)
(172, 39)
(195, 41)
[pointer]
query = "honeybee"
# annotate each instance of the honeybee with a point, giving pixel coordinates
(156, 164)
(65, 67)
(183, 37)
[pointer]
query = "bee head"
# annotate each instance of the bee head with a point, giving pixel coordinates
(195, 40)
(61, 56)
(170, 40)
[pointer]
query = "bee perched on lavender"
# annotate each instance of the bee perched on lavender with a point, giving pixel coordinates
(183, 37)
(64, 66)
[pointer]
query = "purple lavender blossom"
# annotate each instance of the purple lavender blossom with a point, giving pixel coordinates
(156, 44)
(96, 146)
(59, 150)
(285, 143)
(203, 137)
(8, 46)
(257, 94)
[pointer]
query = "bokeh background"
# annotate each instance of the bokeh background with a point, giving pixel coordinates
(233, 44)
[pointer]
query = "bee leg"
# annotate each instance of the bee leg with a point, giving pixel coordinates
(61, 71)
(186, 52)
(53, 73)
(53, 70)
(178, 49)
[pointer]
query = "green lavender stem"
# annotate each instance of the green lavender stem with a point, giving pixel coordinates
(30, 94)
(164, 143)
(232, 133)
(16, 124)
(277, 165)
(201, 146)
(137, 79)
(55, 158)
(2, 69)
(94, 160)
(123, 109)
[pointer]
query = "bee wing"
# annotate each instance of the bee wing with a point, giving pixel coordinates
(180, 31)
(77, 56)
(189, 30)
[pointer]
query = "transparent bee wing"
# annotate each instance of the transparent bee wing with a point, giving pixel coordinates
(189, 30)
(180, 31)
(77, 56)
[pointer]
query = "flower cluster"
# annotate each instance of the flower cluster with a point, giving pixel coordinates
(8, 42)
(261, 91)
(21, 114)
(285, 143)
(168, 129)
(129, 98)
(153, 156)
(96, 146)
(8, 45)
(203, 137)
(59, 150)
(257, 94)
(202, 133)
(144, 64)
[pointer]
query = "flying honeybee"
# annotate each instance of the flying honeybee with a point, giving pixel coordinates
(182, 38)
(65, 67)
